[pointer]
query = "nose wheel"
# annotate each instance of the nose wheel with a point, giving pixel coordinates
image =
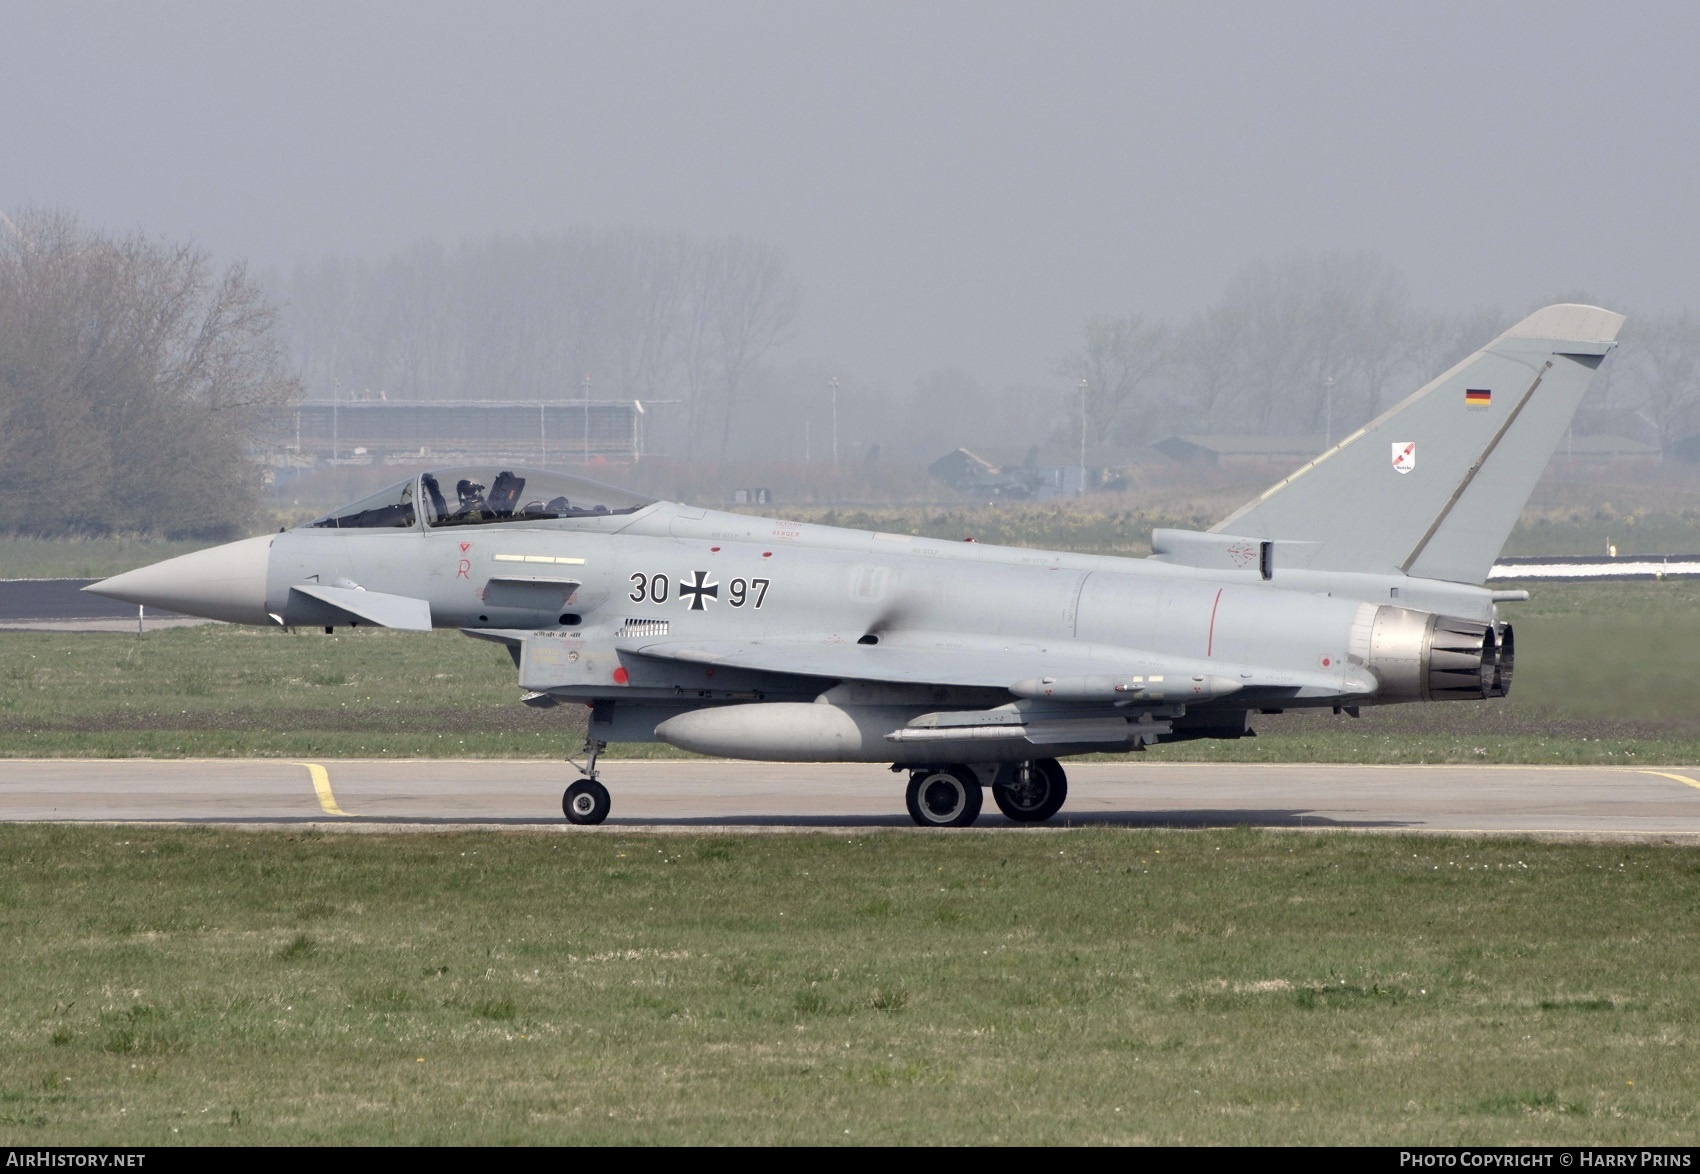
(586, 801)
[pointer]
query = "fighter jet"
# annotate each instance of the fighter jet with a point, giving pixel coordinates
(1357, 580)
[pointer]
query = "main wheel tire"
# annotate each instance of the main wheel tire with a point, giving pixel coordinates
(944, 797)
(1042, 797)
(586, 801)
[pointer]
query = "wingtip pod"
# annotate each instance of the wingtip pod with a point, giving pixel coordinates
(1569, 322)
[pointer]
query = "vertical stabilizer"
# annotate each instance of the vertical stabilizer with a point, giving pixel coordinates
(1433, 487)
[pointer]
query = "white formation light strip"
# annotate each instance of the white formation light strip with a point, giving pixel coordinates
(538, 558)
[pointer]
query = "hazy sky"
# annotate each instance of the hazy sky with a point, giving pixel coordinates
(956, 184)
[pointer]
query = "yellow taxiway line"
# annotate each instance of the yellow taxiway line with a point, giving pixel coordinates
(327, 798)
(1677, 778)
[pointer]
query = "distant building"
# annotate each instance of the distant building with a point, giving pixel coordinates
(1686, 449)
(972, 473)
(1605, 448)
(1231, 449)
(400, 431)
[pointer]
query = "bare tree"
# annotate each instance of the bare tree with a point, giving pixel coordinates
(649, 308)
(1441, 340)
(695, 338)
(1663, 360)
(1121, 356)
(637, 310)
(1326, 334)
(943, 412)
(1212, 361)
(133, 374)
(754, 303)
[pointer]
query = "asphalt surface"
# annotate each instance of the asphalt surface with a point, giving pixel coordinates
(57, 599)
(1656, 803)
(62, 603)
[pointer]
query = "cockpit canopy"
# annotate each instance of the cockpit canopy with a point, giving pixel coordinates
(474, 496)
(478, 496)
(392, 507)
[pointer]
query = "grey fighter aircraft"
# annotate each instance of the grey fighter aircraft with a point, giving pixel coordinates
(1355, 581)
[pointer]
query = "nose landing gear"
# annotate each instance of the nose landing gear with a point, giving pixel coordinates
(587, 801)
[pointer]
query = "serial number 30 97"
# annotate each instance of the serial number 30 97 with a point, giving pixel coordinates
(656, 589)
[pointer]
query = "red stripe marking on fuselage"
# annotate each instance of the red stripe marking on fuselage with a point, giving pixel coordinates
(1210, 641)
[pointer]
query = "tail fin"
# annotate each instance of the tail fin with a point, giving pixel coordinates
(1433, 487)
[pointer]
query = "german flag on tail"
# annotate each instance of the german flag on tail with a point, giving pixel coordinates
(1477, 397)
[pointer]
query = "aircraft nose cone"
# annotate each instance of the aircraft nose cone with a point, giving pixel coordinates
(222, 583)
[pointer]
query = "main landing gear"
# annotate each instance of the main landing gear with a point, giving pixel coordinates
(587, 801)
(944, 796)
(951, 796)
(1030, 792)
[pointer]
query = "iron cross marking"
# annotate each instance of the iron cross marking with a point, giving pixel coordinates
(699, 589)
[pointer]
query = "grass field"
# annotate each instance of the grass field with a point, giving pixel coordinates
(218, 689)
(210, 986)
(1605, 673)
(61, 558)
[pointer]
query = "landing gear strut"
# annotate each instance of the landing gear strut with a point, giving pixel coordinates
(1030, 792)
(587, 801)
(944, 796)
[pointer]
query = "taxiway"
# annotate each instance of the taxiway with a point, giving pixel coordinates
(375, 795)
